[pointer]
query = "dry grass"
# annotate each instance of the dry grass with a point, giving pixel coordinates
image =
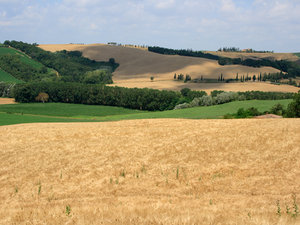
(150, 172)
(208, 87)
(7, 101)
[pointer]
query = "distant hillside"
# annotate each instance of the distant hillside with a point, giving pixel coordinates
(136, 63)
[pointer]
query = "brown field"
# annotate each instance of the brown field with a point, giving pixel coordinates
(7, 101)
(163, 171)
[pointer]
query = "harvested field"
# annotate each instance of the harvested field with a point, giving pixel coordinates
(208, 87)
(4, 101)
(164, 171)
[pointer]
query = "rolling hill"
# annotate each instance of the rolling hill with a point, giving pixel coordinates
(138, 65)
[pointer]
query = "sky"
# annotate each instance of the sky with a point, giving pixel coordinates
(272, 25)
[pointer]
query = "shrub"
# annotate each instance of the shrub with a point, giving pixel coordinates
(226, 97)
(185, 91)
(278, 109)
(293, 109)
(206, 101)
(182, 106)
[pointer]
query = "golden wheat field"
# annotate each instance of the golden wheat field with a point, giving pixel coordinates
(164, 171)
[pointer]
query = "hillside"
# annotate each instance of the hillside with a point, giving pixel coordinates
(16, 67)
(150, 172)
(137, 65)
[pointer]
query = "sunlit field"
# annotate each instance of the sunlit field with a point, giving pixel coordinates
(163, 171)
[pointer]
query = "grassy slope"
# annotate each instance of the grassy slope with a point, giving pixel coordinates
(211, 112)
(6, 77)
(59, 112)
(297, 54)
(66, 110)
(24, 58)
(9, 119)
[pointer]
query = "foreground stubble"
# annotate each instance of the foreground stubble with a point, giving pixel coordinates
(163, 171)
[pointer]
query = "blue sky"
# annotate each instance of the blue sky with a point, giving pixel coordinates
(197, 24)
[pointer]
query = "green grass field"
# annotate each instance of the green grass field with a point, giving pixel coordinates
(10, 119)
(66, 110)
(7, 78)
(60, 112)
(297, 54)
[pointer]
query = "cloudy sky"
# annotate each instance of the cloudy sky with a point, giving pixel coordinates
(197, 24)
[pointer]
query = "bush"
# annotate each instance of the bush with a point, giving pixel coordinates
(182, 106)
(250, 112)
(293, 109)
(206, 101)
(226, 97)
(278, 109)
(185, 91)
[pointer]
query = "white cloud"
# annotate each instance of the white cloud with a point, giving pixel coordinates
(204, 24)
(228, 6)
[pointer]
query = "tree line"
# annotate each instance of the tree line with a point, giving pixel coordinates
(94, 94)
(133, 98)
(235, 49)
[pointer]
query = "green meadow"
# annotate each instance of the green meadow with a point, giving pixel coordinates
(62, 112)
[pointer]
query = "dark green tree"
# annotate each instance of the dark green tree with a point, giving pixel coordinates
(293, 109)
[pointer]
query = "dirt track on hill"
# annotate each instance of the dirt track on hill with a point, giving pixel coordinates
(164, 171)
